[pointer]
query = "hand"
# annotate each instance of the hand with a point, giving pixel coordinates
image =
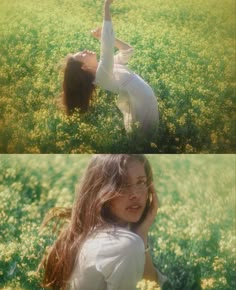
(96, 32)
(143, 228)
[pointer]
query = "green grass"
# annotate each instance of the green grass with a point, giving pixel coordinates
(192, 239)
(184, 49)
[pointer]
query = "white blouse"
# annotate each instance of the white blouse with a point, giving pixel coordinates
(111, 259)
(136, 98)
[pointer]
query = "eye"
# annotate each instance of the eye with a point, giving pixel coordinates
(142, 182)
(127, 185)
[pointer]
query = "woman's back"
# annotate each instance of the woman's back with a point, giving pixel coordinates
(136, 100)
(111, 259)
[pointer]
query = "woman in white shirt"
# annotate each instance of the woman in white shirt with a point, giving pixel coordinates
(83, 73)
(104, 245)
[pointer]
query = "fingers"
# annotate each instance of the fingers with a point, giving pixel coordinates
(154, 196)
(96, 32)
(97, 29)
(152, 188)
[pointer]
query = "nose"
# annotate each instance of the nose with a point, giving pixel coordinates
(133, 192)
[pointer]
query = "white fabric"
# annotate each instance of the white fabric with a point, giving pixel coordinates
(111, 259)
(136, 99)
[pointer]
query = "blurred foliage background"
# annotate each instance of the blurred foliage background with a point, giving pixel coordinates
(192, 239)
(184, 49)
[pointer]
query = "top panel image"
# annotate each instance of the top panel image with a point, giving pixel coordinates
(115, 76)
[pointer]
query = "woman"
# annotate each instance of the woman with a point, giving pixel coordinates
(83, 73)
(105, 243)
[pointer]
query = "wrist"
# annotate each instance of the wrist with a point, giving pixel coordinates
(107, 3)
(107, 14)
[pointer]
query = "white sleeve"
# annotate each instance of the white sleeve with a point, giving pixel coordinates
(106, 62)
(123, 56)
(122, 263)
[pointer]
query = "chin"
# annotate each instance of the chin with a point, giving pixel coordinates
(133, 219)
(128, 220)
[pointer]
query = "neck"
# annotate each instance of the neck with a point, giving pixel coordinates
(93, 69)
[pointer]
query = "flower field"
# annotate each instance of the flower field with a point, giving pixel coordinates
(192, 240)
(184, 49)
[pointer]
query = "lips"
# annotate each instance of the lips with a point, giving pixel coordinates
(134, 207)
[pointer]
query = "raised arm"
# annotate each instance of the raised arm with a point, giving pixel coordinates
(106, 63)
(150, 272)
(125, 50)
(107, 13)
(120, 44)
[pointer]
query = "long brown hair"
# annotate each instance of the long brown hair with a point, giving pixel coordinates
(78, 86)
(103, 179)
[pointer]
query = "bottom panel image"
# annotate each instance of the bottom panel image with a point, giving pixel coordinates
(117, 222)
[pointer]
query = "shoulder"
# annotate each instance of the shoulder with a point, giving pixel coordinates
(121, 252)
(115, 241)
(127, 239)
(119, 241)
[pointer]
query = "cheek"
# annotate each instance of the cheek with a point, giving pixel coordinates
(116, 206)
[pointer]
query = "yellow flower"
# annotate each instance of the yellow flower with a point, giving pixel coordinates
(206, 283)
(147, 285)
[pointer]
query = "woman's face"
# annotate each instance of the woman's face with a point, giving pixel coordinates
(129, 207)
(88, 58)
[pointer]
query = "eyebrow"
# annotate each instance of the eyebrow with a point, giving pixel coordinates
(140, 177)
